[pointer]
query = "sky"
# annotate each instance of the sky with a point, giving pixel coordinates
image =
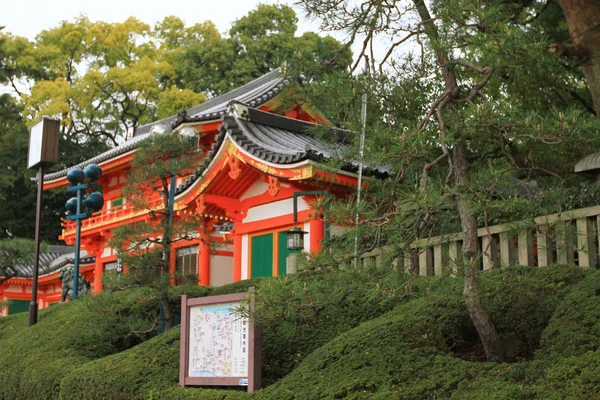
(29, 17)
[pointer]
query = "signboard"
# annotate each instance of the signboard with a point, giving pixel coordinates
(43, 143)
(219, 343)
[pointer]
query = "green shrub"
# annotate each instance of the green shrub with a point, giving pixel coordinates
(327, 334)
(575, 327)
(34, 360)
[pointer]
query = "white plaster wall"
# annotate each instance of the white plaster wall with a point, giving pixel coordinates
(259, 187)
(306, 228)
(245, 257)
(275, 209)
(14, 289)
(107, 252)
(221, 270)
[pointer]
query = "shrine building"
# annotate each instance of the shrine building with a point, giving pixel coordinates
(257, 152)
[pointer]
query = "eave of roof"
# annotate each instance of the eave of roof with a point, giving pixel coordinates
(590, 163)
(275, 139)
(52, 260)
(255, 93)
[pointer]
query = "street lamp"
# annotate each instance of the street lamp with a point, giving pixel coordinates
(295, 239)
(92, 203)
(43, 152)
(295, 236)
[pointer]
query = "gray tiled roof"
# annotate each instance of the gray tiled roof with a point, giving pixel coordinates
(255, 93)
(52, 260)
(279, 140)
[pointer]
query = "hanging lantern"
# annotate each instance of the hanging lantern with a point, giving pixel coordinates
(295, 239)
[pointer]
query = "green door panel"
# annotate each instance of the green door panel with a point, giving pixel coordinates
(18, 306)
(262, 255)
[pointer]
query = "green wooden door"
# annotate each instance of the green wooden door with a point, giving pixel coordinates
(283, 253)
(262, 255)
(18, 306)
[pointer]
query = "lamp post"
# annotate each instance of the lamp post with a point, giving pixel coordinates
(93, 202)
(295, 236)
(292, 234)
(43, 152)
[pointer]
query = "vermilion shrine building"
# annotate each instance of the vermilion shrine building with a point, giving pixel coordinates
(257, 154)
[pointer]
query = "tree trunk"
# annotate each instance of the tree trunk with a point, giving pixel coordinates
(168, 314)
(166, 257)
(491, 341)
(583, 19)
(492, 344)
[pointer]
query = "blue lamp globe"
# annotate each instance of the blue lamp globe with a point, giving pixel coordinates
(94, 202)
(71, 206)
(75, 176)
(93, 172)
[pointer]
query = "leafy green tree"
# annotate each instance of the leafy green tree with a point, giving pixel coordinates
(17, 189)
(257, 43)
(479, 105)
(101, 79)
(145, 247)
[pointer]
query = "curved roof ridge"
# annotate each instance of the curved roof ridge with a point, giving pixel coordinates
(256, 92)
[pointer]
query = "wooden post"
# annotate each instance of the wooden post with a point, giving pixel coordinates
(506, 248)
(440, 258)
(204, 262)
(454, 253)
(490, 252)
(525, 247)
(544, 246)
(564, 244)
(586, 243)
(237, 257)
(411, 263)
(426, 262)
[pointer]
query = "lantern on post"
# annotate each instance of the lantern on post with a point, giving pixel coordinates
(92, 203)
(295, 239)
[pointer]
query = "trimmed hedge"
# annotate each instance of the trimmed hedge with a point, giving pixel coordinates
(373, 337)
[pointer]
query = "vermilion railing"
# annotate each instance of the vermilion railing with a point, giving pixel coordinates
(111, 215)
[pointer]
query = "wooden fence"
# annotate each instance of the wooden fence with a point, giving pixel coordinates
(563, 238)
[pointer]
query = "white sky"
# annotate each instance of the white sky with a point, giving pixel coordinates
(29, 17)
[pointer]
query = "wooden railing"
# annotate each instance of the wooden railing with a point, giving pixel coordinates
(563, 238)
(109, 216)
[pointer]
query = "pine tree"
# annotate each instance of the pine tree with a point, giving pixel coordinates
(476, 106)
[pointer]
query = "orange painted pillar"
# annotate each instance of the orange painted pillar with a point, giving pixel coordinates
(237, 258)
(204, 262)
(98, 272)
(317, 233)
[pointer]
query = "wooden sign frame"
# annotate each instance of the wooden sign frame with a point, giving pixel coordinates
(253, 378)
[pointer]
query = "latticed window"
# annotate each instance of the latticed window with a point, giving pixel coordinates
(111, 266)
(187, 261)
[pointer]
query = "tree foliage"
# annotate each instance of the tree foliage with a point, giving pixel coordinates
(256, 43)
(477, 106)
(145, 246)
(102, 79)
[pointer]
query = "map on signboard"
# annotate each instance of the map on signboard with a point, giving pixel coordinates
(219, 341)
